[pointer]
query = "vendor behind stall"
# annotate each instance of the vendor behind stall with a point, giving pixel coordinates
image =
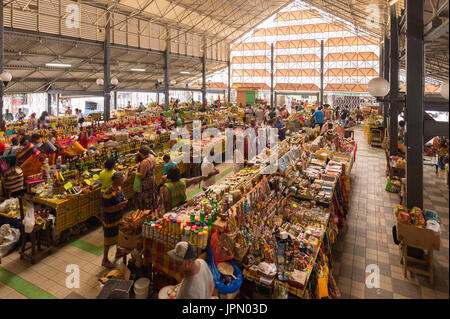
(197, 281)
(113, 204)
(173, 193)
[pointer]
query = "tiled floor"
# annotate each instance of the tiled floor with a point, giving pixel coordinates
(367, 238)
(47, 278)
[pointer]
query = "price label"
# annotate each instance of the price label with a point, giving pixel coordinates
(295, 205)
(68, 185)
(87, 181)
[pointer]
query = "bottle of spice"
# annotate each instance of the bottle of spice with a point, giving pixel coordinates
(200, 239)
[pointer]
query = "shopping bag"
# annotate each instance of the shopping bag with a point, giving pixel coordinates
(137, 186)
(31, 166)
(389, 185)
(217, 248)
(75, 149)
(28, 220)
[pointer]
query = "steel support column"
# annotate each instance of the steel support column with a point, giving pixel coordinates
(57, 106)
(166, 76)
(107, 69)
(393, 72)
(115, 100)
(386, 52)
(49, 103)
(415, 70)
(229, 81)
(321, 73)
(271, 74)
(204, 76)
(1, 64)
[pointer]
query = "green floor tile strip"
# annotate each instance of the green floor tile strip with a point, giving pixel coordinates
(87, 247)
(22, 286)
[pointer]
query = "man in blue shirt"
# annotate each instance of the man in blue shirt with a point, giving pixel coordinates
(281, 128)
(319, 117)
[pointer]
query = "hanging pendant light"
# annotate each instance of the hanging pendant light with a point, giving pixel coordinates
(99, 82)
(378, 87)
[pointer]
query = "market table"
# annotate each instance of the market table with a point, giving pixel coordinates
(155, 253)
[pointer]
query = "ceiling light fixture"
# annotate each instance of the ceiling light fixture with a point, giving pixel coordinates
(185, 72)
(138, 70)
(59, 65)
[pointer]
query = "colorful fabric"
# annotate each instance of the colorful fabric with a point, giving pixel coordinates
(148, 198)
(156, 254)
(111, 220)
(26, 152)
(177, 192)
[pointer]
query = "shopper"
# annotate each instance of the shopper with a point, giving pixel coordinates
(359, 115)
(80, 118)
(279, 124)
(173, 192)
(15, 147)
(129, 105)
(141, 107)
(207, 170)
(32, 122)
(319, 117)
(9, 116)
(68, 111)
(344, 113)
(168, 164)
(83, 138)
(336, 113)
(113, 205)
(148, 198)
(21, 115)
(197, 280)
(43, 120)
(239, 159)
(259, 115)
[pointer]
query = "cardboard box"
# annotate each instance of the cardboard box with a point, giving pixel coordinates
(128, 241)
(418, 237)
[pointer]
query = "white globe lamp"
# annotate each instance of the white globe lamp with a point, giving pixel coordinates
(6, 77)
(99, 82)
(114, 81)
(378, 87)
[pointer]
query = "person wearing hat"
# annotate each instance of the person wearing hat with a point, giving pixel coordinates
(197, 281)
